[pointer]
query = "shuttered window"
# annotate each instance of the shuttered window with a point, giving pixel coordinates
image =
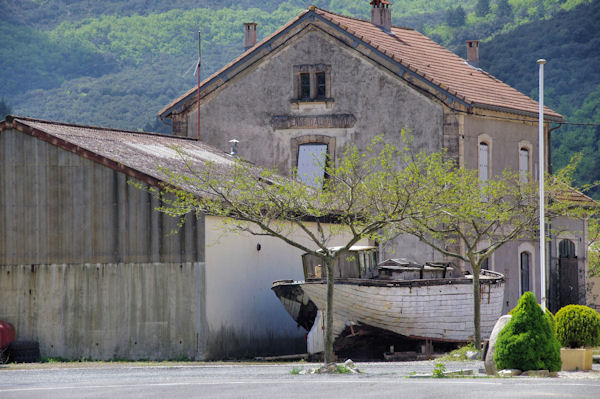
(311, 164)
(484, 161)
(524, 164)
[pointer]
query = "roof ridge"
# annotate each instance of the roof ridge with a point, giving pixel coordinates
(353, 18)
(10, 118)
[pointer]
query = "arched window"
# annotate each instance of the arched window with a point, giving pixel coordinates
(525, 263)
(524, 164)
(566, 249)
(484, 161)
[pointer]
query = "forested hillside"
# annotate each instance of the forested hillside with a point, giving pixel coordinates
(117, 62)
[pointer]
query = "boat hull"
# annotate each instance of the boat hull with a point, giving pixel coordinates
(439, 309)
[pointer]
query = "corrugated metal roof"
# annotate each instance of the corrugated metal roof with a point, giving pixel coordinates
(139, 152)
(412, 50)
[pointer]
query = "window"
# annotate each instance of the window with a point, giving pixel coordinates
(312, 83)
(524, 164)
(485, 265)
(304, 86)
(484, 162)
(566, 249)
(311, 164)
(524, 272)
(321, 85)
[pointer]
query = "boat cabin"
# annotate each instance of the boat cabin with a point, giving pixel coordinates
(403, 269)
(357, 262)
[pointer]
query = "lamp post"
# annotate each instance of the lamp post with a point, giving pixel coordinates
(541, 162)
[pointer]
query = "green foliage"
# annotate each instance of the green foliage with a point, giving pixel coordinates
(459, 354)
(296, 370)
(578, 326)
(482, 7)
(343, 369)
(527, 342)
(456, 16)
(438, 370)
(550, 318)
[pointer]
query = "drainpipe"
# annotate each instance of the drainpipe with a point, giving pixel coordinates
(552, 300)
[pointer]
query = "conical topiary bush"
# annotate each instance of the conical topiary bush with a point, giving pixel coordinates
(527, 342)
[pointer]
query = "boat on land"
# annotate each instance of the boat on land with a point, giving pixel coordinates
(419, 301)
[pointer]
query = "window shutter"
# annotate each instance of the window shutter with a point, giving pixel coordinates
(311, 164)
(524, 164)
(483, 162)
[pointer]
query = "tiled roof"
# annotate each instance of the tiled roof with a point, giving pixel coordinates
(135, 153)
(574, 197)
(421, 57)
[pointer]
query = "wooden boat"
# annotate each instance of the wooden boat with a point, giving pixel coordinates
(424, 302)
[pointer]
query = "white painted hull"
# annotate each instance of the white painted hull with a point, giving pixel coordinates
(442, 311)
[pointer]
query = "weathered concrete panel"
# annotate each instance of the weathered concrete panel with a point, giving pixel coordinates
(108, 311)
(58, 207)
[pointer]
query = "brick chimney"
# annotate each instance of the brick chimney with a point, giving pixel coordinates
(381, 15)
(473, 52)
(249, 35)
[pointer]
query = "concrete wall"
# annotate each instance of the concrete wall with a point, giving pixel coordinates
(593, 293)
(107, 311)
(504, 138)
(244, 316)
(87, 266)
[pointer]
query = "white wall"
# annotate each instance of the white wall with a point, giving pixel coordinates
(244, 316)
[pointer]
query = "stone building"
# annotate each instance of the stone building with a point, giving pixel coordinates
(323, 80)
(90, 269)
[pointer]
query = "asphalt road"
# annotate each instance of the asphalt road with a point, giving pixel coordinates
(378, 380)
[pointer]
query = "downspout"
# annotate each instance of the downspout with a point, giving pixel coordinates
(550, 289)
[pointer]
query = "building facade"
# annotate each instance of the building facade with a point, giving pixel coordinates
(324, 80)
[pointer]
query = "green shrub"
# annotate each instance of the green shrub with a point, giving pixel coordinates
(550, 318)
(527, 342)
(577, 326)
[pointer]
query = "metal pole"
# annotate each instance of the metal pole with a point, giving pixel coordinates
(198, 71)
(541, 154)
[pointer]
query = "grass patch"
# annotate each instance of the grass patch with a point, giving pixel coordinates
(296, 370)
(438, 370)
(342, 369)
(459, 354)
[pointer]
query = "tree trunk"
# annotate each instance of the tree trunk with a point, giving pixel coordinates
(329, 316)
(476, 309)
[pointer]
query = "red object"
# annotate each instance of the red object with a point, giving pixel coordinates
(7, 334)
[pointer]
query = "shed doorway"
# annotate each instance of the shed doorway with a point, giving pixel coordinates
(567, 266)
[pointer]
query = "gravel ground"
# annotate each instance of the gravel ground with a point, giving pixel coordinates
(402, 369)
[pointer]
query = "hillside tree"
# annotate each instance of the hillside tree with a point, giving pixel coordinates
(482, 8)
